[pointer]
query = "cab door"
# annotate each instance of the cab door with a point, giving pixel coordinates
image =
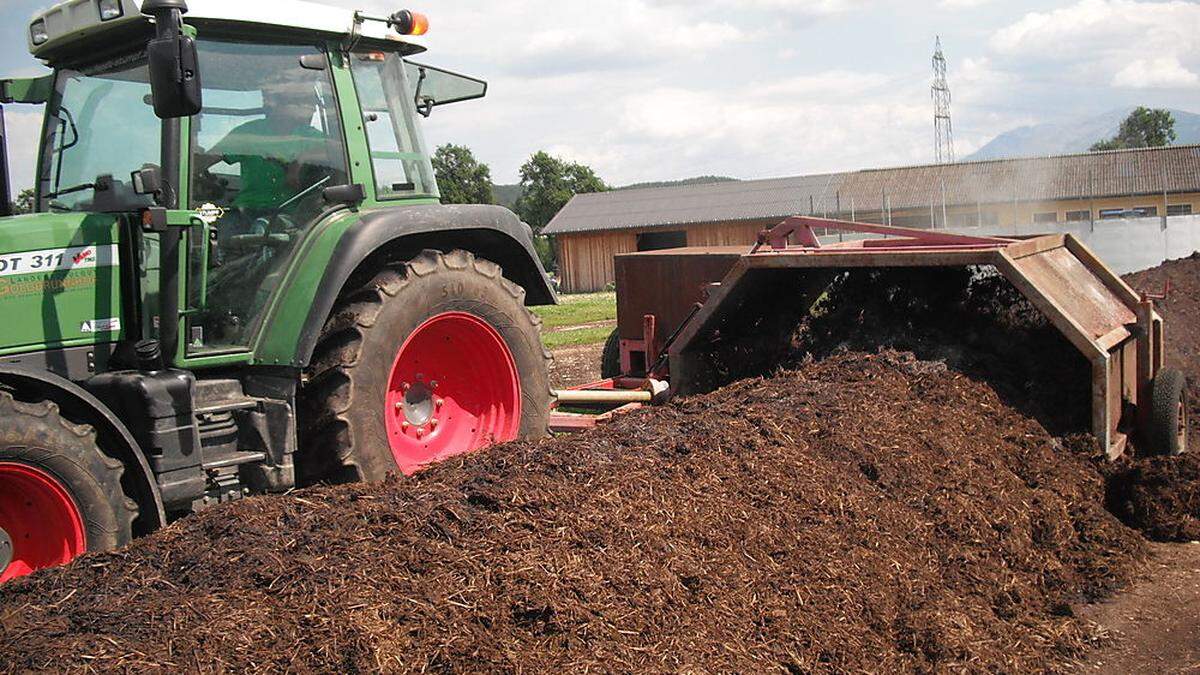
(263, 150)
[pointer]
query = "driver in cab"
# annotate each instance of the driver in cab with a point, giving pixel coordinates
(271, 152)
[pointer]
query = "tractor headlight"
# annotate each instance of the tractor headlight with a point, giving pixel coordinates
(37, 32)
(110, 9)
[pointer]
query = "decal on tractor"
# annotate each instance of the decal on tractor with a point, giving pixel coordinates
(101, 326)
(57, 260)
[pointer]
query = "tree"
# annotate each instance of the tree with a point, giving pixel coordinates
(1144, 128)
(24, 202)
(461, 178)
(548, 183)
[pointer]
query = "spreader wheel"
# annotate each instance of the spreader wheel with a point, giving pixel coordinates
(429, 360)
(60, 495)
(610, 358)
(1169, 413)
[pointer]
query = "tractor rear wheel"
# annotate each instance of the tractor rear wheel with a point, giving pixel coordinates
(428, 360)
(60, 495)
(1169, 413)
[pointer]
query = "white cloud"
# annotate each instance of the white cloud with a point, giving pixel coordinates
(1103, 28)
(1161, 73)
(962, 4)
(979, 80)
(559, 50)
(695, 131)
(810, 8)
(817, 7)
(838, 82)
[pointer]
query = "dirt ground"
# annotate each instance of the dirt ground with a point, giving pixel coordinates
(1156, 626)
(576, 365)
(1153, 628)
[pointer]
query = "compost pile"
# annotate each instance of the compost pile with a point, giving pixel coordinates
(867, 512)
(1161, 495)
(971, 319)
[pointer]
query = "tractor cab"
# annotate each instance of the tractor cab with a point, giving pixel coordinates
(234, 133)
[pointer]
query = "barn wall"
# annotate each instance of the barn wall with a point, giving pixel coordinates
(585, 259)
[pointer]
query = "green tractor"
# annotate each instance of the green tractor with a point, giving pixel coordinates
(238, 277)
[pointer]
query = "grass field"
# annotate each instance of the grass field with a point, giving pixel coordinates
(582, 319)
(577, 310)
(579, 336)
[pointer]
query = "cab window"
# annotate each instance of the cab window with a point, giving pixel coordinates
(98, 130)
(401, 164)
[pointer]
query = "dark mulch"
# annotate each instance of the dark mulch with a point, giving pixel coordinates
(1160, 496)
(971, 319)
(862, 513)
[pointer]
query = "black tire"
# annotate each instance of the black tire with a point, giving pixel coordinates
(610, 358)
(36, 435)
(343, 434)
(1169, 411)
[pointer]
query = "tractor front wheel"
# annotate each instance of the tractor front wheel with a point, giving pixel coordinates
(60, 495)
(428, 360)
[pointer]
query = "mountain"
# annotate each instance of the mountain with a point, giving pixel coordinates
(698, 180)
(1075, 135)
(507, 195)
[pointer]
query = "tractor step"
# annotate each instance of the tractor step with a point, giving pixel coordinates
(221, 396)
(233, 459)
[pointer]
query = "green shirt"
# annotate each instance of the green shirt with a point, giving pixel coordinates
(263, 154)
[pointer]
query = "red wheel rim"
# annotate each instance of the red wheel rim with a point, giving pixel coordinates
(39, 519)
(454, 388)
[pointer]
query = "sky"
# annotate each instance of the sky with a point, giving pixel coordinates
(645, 90)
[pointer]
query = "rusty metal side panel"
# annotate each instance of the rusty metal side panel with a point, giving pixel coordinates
(1084, 297)
(1129, 388)
(667, 284)
(1116, 388)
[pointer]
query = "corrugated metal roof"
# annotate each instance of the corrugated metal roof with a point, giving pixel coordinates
(1098, 174)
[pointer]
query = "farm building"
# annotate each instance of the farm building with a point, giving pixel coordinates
(593, 228)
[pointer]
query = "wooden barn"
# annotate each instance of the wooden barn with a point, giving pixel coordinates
(593, 228)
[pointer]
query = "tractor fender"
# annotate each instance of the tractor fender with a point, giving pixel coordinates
(400, 233)
(79, 405)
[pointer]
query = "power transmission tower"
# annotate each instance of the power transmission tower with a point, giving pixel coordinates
(942, 128)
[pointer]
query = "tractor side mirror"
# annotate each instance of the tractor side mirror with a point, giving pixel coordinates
(174, 62)
(147, 181)
(350, 195)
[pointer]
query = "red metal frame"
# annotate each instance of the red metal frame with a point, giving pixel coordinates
(571, 422)
(628, 349)
(803, 228)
